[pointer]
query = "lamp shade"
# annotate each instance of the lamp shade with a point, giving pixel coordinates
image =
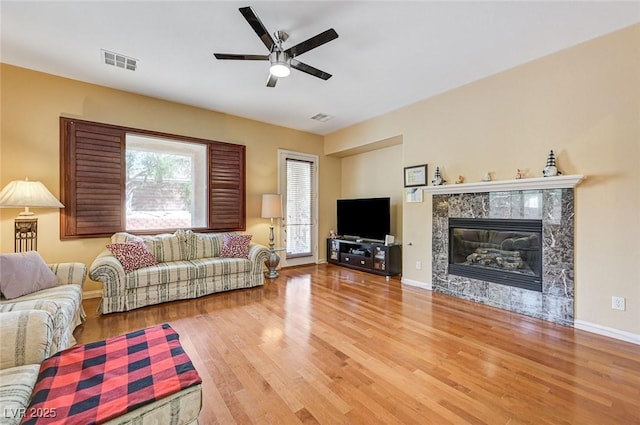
(271, 205)
(25, 193)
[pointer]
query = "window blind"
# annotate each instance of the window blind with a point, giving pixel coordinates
(299, 207)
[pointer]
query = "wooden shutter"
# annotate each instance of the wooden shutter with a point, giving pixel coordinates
(227, 202)
(92, 179)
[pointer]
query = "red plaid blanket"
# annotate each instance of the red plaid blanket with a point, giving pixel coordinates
(93, 383)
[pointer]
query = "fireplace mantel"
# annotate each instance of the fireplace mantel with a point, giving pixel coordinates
(558, 182)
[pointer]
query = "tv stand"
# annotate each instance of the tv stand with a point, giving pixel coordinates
(373, 257)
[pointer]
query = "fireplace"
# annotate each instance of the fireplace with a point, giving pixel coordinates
(504, 251)
(544, 208)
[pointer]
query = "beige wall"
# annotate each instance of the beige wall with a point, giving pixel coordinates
(376, 174)
(584, 103)
(32, 103)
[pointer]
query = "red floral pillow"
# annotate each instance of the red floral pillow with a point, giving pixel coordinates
(235, 246)
(132, 255)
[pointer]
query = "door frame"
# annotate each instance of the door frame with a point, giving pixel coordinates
(283, 154)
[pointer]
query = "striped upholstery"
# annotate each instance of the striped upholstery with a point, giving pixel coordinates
(26, 341)
(204, 267)
(203, 245)
(165, 247)
(180, 408)
(107, 269)
(16, 386)
(63, 302)
(124, 237)
(159, 274)
(70, 273)
(26, 337)
(176, 280)
(156, 294)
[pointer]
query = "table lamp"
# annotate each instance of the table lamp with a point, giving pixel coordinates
(27, 194)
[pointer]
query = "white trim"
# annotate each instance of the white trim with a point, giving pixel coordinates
(607, 331)
(96, 293)
(283, 154)
(558, 182)
(417, 283)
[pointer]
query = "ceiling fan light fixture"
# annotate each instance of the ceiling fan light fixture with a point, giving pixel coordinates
(280, 70)
(279, 64)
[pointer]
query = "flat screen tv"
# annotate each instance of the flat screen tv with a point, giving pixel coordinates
(365, 218)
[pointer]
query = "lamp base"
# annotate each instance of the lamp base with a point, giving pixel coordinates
(272, 263)
(26, 233)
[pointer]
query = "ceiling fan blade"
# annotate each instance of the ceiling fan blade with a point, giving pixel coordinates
(241, 57)
(271, 82)
(257, 26)
(312, 43)
(309, 69)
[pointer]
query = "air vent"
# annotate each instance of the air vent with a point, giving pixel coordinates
(322, 117)
(118, 60)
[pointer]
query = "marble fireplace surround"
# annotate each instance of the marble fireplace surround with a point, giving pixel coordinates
(550, 199)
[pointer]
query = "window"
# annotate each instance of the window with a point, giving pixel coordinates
(165, 183)
(107, 171)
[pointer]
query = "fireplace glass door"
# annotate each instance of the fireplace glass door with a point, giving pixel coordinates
(503, 251)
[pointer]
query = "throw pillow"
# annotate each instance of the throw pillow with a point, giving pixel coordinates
(203, 245)
(235, 246)
(23, 273)
(167, 247)
(132, 255)
(124, 237)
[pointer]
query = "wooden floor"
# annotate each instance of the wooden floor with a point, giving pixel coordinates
(328, 345)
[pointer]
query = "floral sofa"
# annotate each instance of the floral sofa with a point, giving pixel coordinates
(176, 266)
(33, 327)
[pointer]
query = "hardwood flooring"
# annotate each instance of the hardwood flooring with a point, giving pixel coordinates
(329, 345)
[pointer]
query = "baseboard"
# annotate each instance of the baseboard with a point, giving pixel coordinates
(96, 293)
(607, 331)
(417, 283)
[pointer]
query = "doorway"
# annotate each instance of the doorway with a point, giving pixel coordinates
(298, 186)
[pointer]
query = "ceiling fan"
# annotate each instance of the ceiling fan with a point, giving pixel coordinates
(281, 60)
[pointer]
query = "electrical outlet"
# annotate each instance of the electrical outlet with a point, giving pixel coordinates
(618, 303)
(418, 265)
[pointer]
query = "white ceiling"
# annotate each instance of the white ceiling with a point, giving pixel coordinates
(388, 54)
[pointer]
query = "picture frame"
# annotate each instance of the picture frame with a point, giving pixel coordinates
(415, 176)
(414, 194)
